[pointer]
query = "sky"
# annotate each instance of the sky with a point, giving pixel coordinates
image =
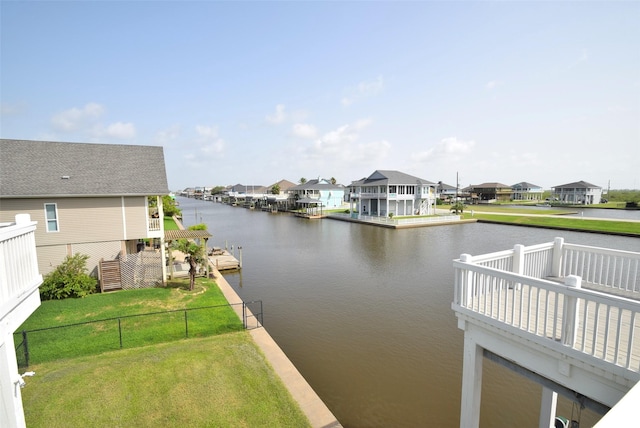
(253, 92)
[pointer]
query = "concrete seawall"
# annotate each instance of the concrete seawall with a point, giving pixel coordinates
(313, 407)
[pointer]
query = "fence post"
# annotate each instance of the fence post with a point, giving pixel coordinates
(25, 344)
(570, 312)
(186, 325)
(120, 332)
(556, 264)
(244, 315)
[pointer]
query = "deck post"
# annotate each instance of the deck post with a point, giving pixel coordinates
(548, 404)
(518, 262)
(471, 384)
(570, 312)
(556, 263)
(467, 288)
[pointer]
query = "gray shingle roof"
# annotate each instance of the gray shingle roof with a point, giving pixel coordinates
(30, 169)
(577, 185)
(383, 177)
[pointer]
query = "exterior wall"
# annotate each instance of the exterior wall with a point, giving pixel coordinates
(93, 226)
(579, 196)
(331, 198)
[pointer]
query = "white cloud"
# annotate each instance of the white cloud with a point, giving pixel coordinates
(492, 85)
(366, 88)
(278, 117)
(303, 130)
(77, 118)
(210, 145)
(166, 137)
(448, 149)
(121, 130)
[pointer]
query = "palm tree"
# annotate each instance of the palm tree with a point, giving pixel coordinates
(303, 180)
(194, 255)
(275, 189)
(333, 181)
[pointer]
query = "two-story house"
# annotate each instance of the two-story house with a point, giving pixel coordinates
(392, 192)
(489, 192)
(319, 191)
(92, 199)
(579, 192)
(524, 191)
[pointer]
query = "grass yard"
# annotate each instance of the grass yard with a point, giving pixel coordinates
(219, 381)
(119, 312)
(562, 223)
(170, 224)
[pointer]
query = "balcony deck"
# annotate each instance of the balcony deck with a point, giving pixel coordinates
(566, 312)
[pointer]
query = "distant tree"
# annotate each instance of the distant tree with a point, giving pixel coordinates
(217, 189)
(303, 180)
(200, 226)
(333, 181)
(69, 279)
(194, 256)
(275, 189)
(457, 207)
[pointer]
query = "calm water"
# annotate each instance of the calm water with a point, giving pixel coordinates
(365, 312)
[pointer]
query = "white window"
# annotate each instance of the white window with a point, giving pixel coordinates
(51, 214)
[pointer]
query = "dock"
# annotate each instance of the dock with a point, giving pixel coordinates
(223, 260)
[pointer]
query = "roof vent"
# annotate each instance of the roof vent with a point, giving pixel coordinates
(65, 177)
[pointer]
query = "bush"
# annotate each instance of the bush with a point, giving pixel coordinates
(69, 279)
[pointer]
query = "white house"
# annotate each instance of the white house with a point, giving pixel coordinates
(524, 191)
(392, 192)
(579, 192)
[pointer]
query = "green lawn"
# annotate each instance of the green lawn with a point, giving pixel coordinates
(561, 222)
(219, 381)
(121, 324)
(170, 224)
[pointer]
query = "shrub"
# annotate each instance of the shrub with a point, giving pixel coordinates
(69, 279)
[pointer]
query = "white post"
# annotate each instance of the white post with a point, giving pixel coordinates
(518, 262)
(548, 404)
(556, 264)
(570, 313)
(471, 384)
(467, 287)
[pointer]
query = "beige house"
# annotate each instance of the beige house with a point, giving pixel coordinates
(92, 199)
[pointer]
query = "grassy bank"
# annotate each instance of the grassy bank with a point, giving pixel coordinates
(120, 311)
(579, 224)
(221, 381)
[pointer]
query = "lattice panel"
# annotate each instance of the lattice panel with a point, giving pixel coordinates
(141, 270)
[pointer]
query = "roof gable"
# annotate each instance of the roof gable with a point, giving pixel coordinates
(393, 177)
(578, 185)
(45, 169)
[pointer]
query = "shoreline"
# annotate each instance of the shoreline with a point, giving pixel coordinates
(311, 404)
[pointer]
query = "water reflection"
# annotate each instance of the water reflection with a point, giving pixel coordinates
(365, 312)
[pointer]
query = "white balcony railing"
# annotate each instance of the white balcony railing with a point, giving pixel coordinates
(519, 290)
(154, 224)
(19, 276)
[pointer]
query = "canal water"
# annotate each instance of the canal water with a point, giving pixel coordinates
(365, 312)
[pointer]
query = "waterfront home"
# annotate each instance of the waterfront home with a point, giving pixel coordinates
(524, 191)
(395, 193)
(489, 192)
(319, 192)
(102, 200)
(446, 192)
(579, 192)
(19, 298)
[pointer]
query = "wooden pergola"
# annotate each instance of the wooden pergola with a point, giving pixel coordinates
(174, 235)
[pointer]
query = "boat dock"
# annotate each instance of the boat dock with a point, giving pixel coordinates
(223, 260)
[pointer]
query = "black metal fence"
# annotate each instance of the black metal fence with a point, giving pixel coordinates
(97, 336)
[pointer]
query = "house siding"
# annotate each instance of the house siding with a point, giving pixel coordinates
(50, 256)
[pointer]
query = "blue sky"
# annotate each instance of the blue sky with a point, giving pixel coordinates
(255, 92)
